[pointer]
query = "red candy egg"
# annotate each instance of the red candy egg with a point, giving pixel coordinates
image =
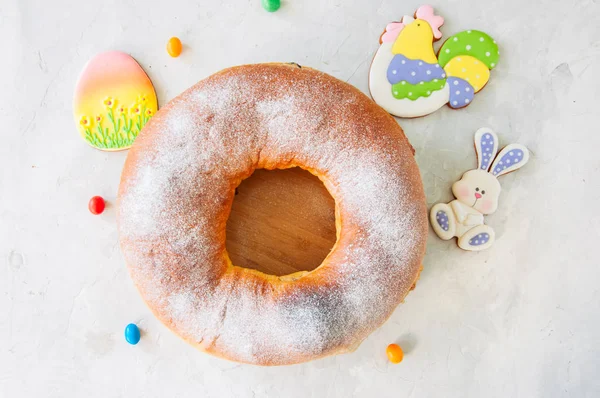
(96, 205)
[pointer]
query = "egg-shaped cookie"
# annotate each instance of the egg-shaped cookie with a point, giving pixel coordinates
(113, 100)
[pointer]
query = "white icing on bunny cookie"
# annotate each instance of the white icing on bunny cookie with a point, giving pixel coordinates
(477, 194)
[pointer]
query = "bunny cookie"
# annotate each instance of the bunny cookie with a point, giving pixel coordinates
(477, 194)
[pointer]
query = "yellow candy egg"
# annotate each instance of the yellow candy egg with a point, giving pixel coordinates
(174, 47)
(470, 69)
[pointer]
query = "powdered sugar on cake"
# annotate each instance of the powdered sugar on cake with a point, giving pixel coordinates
(178, 186)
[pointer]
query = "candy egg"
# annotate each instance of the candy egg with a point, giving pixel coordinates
(132, 334)
(174, 47)
(394, 353)
(113, 100)
(96, 205)
(271, 5)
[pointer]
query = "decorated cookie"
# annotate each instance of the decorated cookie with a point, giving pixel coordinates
(114, 99)
(477, 194)
(407, 78)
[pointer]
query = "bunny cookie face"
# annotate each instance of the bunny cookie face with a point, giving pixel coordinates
(478, 189)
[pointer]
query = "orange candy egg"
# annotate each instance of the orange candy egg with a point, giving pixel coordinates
(394, 353)
(174, 47)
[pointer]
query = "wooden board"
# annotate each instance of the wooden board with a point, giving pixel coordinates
(281, 222)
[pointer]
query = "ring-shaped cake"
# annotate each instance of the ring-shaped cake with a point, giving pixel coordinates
(178, 186)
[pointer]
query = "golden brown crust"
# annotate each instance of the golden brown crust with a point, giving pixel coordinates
(177, 189)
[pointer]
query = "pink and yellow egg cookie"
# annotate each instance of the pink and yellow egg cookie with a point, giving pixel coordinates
(113, 100)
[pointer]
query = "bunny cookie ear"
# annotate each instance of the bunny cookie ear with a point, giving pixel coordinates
(486, 145)
(511, 158)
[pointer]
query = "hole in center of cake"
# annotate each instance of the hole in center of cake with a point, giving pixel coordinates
(281, 222)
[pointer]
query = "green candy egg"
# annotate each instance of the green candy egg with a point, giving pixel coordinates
(470, 42)
(271, 5)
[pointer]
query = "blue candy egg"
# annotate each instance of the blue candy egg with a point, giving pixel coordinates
(132, 334)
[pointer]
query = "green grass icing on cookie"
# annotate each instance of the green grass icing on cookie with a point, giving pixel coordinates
(116, 128)
(415, 91)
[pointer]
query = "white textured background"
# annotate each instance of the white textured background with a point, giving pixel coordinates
(518, 320)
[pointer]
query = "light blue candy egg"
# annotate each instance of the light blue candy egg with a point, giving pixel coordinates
(132, 334)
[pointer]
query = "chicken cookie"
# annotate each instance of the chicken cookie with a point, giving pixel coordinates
(407, 78)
